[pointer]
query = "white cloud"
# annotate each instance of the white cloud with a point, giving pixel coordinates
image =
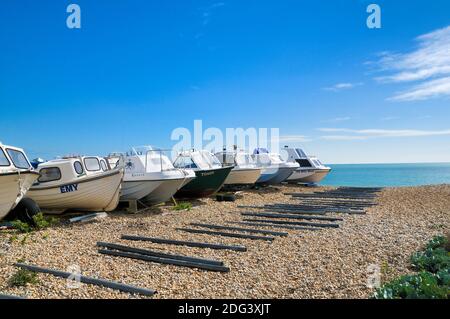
(342, 86)
(351, 134)
(426, 90)
(338, 119)
(428, 63)
(294, 138)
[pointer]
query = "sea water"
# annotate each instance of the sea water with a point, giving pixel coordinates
(385, 175)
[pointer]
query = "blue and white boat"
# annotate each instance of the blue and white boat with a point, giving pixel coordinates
(274, 169)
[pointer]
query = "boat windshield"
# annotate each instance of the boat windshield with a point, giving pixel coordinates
(244, 159)
(275, 158)
(157, 162)
(184, 162)
(225, 158)
(3, 159)
(140, 150)
(201, 161)
(301, 153)
(262, 159)
(18, 158)
(210, 159)
(317, 163)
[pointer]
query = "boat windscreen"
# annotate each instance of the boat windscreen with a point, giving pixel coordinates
(244, 159)
(275, 158)
(3, 159)
(184, 162)
(262, 159)
(211, 160)
(301, 153)
(19, 159)
(317, 163)
(225, 158)
(157, 162)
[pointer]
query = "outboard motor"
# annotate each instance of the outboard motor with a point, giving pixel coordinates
(35, 163)
(260, 151)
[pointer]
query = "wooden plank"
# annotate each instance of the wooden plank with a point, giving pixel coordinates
(185, 243)
(224, 234)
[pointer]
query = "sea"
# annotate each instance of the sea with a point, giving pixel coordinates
(388, 175)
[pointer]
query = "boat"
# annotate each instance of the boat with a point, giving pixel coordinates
(150, 176)
(79, 183)
(311, 170)
(244, 172)
(274, 169)
(210, 174)
(16, 177)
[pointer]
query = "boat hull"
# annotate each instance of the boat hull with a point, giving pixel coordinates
(99, 193)
(315, 178)
(244, 176)
(266, 176)
(13, 187)
(206, 183)
(283, 174)
(137, 190)
(164, 191)
(276, 176)
(299, 175)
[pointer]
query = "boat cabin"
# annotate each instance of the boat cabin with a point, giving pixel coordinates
(197, 160)
(297, 155)
(235, 158)
(70, 169)
(142, 159)
(261, 156)
(13, 159)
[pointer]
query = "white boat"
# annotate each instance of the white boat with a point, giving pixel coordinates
(244, 171)
(150, 176)
(16, 177)
(85, 183)
(311, 170)
(274, 169)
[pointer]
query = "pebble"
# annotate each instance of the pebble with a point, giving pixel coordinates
(330, 263)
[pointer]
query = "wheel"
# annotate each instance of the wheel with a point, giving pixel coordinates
(25, 210)
(219, 198)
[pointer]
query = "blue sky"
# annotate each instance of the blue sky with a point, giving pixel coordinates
(138, 69)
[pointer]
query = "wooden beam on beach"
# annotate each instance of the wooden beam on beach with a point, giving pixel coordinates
(256, 224)
(323, 210)
(185, 243)
(9, 297)
(309, 212)
(283, 222)
(312, 209)
(165, 261)
(89, 280)
(335, 202)
(327, 210)
(158, 254)
(291, 216)
(239, 229)
(215, 233)
(336, 197)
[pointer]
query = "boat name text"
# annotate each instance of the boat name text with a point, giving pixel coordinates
(69, 188)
